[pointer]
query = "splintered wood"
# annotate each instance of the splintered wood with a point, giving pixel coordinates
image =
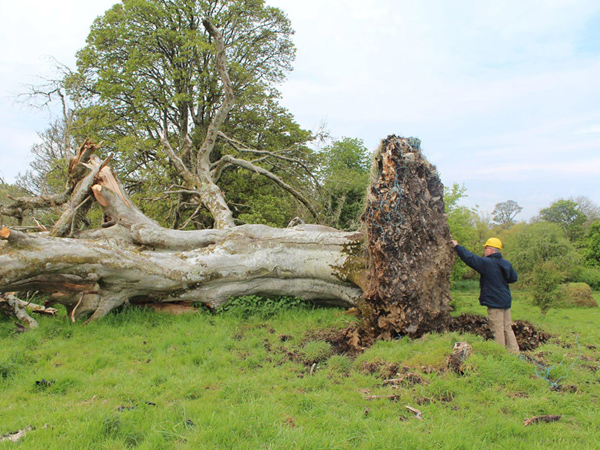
(4, 233)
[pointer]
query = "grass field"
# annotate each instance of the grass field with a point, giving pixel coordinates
(144, 380)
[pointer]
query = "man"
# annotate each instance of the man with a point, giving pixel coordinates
(495, 275)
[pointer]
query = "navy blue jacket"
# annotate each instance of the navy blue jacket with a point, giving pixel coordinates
(496, 273)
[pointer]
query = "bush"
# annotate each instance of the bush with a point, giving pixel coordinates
(591, 277)
(545, 280)
(575, 295)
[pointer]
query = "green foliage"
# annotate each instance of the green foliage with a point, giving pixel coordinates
(254, 199)
(461, 221)
(264, 307)
(591, 248)
(545, 280)
(344, 175)
(465, 286)
(591, 277)
(567, 214)
(528, 245)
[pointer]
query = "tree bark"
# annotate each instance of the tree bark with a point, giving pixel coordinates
(307, 262)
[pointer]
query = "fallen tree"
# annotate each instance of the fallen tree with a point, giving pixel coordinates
(395, 272)
(131, 259)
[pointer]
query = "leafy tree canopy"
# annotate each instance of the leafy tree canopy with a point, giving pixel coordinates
(504, 213)
(592, 246)
(344, 174)
(149, 70)
(462, 223)
(527, 245)
(567, 214)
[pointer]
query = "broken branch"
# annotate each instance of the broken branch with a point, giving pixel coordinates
(547, 419)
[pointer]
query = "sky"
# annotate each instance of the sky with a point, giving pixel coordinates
(504, 95)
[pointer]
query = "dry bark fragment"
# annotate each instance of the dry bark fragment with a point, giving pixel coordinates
(538, 419)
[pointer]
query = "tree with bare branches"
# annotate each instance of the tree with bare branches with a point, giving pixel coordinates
(505, 212)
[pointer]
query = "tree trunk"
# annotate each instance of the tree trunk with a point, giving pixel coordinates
(396, 272)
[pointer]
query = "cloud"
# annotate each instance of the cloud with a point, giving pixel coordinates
(590, 130)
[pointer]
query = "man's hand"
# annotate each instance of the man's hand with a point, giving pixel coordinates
(454, 243)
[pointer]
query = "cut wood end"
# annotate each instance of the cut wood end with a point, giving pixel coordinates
(4, 233)
(97, 190)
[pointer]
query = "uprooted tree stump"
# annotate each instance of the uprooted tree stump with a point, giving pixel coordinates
(407, 245)
(408, 237)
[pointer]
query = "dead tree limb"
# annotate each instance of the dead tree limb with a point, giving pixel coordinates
(271, 176)
(13, 306)
(77, 171)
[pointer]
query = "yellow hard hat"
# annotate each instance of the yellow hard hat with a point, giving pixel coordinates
(494, 242)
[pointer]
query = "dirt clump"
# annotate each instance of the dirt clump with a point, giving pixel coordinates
(382, 369)
(528, 337)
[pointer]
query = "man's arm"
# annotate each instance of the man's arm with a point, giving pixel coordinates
(513, 275)
(470, 259)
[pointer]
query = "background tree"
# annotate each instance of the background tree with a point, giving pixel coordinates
(591, 254)
(504, 213)
(568, 216)
(173, 113)
(528, 245)
(462, 223)
(589, 208)
(592, 246)
(545, 280)
(344, 176)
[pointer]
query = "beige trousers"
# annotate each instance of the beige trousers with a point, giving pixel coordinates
(501, 325)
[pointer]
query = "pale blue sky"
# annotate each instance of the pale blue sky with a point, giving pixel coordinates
(504, 95)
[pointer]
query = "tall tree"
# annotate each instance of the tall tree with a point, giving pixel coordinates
(589, 208)
(158, 81)
(504, 213)
(344, 175)
(567, 214)
(592, 246)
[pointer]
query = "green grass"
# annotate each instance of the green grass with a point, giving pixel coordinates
(150, 381)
